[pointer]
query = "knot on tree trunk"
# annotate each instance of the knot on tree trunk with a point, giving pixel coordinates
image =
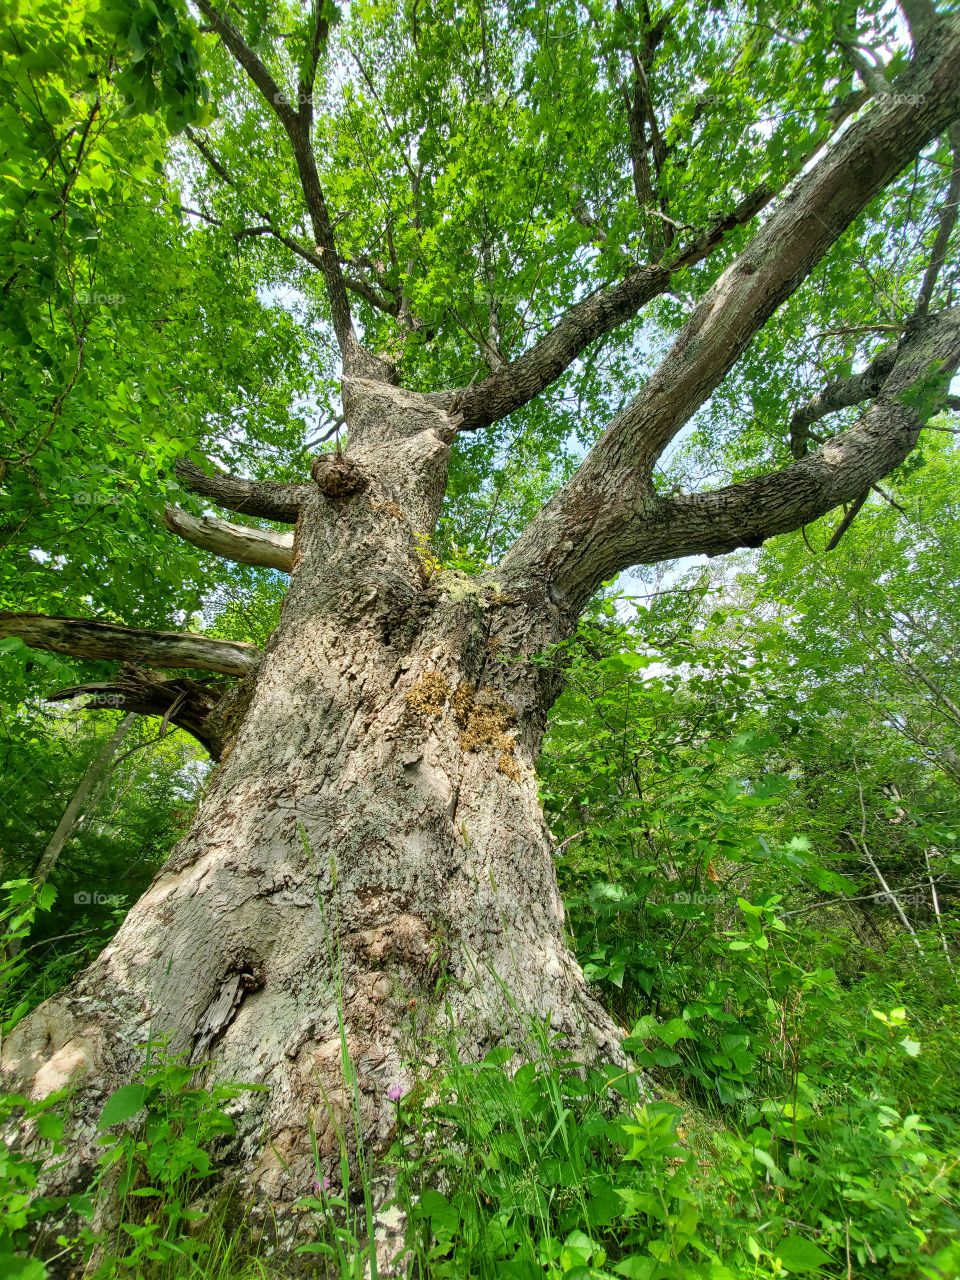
(338, 476)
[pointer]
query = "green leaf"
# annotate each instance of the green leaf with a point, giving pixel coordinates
(796, 1253)
(674, 1030)
(16, 1268)
(122, 1104)
(636, 1268)
(49, 1125)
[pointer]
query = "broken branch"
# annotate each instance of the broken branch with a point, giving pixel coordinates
(237, 542)
(107, 641)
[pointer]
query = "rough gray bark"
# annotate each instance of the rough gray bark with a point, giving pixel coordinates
(372, 843)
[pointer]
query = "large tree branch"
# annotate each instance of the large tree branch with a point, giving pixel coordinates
(841, 470)
(526, 377)
(521, 381)
(641, 116)
(106, 641)
(920, 15)
(262, 498)
(184, 702)
(237, 542)
(575, 536)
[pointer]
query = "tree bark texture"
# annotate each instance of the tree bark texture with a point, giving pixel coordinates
(372, 842)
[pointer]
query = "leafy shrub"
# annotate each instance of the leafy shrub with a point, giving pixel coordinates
(153, 1170)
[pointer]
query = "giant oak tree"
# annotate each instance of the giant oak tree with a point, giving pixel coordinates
(500, 209)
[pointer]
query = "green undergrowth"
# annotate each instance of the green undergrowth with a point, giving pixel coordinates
(534, 1168)
(792, 1106)
(836, 1154)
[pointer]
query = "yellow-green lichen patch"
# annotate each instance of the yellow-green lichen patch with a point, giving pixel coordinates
(429, 695)
(484, 718)
(457, 585)
(508, 765)
(462, 703)
(485, 726)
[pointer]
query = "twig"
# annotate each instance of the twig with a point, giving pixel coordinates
(936, 908)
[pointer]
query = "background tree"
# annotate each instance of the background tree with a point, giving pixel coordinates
(476, 207)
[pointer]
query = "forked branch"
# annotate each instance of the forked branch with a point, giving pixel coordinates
(842, 393)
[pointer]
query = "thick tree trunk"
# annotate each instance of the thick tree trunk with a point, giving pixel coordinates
(372, 840)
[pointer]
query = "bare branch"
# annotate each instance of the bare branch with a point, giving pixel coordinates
(262, 498)
(251, 64)
(941, 699)
(840, 394)
(851, 514)
(362, 288)
(84, 799)
(947, 222)
(238, 542)
(518, 383)
(936, 907)
(210, 156)
(894, 900)
(107, 641)
(380, 301)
